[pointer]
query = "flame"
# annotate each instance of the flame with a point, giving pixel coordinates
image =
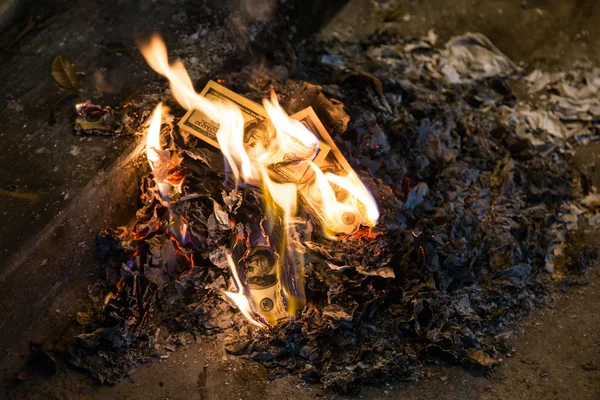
(290, 267)
(154, 158)
(283, 194)
(353, 185)
(251, 166)
(290, 130)
(231, 140)
(231, 122)
(153, 137)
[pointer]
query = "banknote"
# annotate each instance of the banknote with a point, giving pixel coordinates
(288, 161)
(335, 163)
(268, 302)
(264, 286)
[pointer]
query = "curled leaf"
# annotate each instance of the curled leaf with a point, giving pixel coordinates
(64, 72)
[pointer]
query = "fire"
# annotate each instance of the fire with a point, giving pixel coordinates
(289, 268)
(153, 137)
(333, 209)
(250, 166)
(353, 185)
(231, 141)
(289, 130)
(159, 160)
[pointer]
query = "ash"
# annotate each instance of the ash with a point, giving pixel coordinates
(483, 213)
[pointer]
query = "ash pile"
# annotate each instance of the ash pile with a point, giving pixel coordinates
(483, 215)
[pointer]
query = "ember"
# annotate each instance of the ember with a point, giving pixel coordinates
(474, 203)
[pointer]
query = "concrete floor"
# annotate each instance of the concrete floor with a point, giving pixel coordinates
(557, 348)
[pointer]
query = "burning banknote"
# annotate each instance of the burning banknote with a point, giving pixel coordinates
(290, 165)
(286, 159)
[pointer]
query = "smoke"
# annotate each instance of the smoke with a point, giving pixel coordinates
(248, 19)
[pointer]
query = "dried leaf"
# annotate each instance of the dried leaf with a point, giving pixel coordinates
(479, 357)
(64, 72)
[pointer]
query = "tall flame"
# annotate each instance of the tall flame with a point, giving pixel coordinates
(290, 267)
(153, 137)
(251, 166)
(153, 153)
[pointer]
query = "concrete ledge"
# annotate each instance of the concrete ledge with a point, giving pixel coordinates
(55, 256)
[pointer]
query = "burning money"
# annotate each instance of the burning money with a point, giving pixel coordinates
(286, 158)
(335, 208)
(291, 158)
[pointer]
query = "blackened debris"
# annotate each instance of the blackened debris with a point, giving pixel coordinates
(587, 258)
(477, 193)
(93, 119)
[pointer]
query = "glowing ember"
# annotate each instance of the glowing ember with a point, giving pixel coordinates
(250, 164)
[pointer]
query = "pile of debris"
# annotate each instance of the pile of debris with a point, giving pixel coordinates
(478, 196)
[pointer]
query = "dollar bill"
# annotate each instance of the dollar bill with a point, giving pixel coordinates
(263, 284)
(287, 161)
(268, 303)
(335, 163)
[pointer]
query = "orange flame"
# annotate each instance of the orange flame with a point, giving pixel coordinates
(285, 196)
(158, 165)
(290, 130)
(353, 185)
